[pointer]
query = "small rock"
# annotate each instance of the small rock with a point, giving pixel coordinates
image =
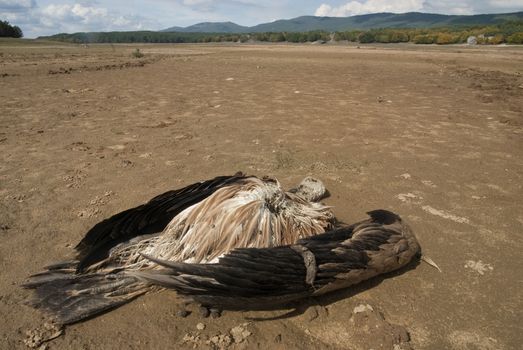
(240, 333)
(409, 197)
(221, 341)
(478, 266)
(215, 313)
(88, 213)
(126, 163)
(200, 326)
(362, 308)
(189, 338)
(116, 147)
(405, 176)
(428, 183)
(203, 311)
(182, 313)
(311, 313)
(277, 339)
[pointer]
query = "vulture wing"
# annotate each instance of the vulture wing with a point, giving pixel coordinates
(148, 218)
(251, 278)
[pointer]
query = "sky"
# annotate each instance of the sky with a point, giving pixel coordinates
(46, 17)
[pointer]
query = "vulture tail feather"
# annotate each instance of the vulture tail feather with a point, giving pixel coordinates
(68, 297)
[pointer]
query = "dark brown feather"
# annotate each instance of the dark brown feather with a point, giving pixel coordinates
(249, 277)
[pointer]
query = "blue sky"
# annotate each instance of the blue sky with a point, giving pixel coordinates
(44, 17)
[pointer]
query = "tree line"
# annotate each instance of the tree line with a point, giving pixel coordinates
(9, 31)
(510, 32)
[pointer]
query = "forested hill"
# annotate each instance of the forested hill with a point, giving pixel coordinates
(510, 32)
(370, 21)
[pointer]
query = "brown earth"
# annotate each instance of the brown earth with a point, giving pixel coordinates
(433, 133)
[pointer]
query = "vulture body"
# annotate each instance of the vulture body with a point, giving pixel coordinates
(255, 278)
(196, 224)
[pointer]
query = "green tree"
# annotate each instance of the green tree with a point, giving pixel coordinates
(366, 37)
(276, 37)
(10, 31)
(516, 38)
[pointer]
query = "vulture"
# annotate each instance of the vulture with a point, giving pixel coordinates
(197, 224)
(254, 278)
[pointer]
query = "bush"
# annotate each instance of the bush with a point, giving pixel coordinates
(497, 39)
(366, 38)
(424, 39)
(516, 38)
(444, 39)
(137, 54)
(276, 37)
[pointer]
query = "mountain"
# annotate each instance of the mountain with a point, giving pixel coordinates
(375, 20)
(210, 27)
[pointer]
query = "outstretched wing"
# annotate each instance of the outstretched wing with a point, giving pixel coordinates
(246, 278)
(148, 218)
(251, 278)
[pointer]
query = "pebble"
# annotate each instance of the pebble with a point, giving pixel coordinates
(200, 326)
(311, 314)
(126, 163)
(240, 333)
(215, 313)
(362, 308)
(221, 341)
(478, 266)
(203, 311)
(182, 313)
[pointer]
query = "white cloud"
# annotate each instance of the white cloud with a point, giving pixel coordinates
(197, 2)
(450, 7)
(76, 17)
(506, 3)
(16, 5)
(370, 6)
(464, 7)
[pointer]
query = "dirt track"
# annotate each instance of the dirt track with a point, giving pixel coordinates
(433, 133)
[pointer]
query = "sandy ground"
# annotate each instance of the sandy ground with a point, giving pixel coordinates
(433, 133)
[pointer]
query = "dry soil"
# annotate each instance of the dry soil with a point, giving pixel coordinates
(432, 133)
